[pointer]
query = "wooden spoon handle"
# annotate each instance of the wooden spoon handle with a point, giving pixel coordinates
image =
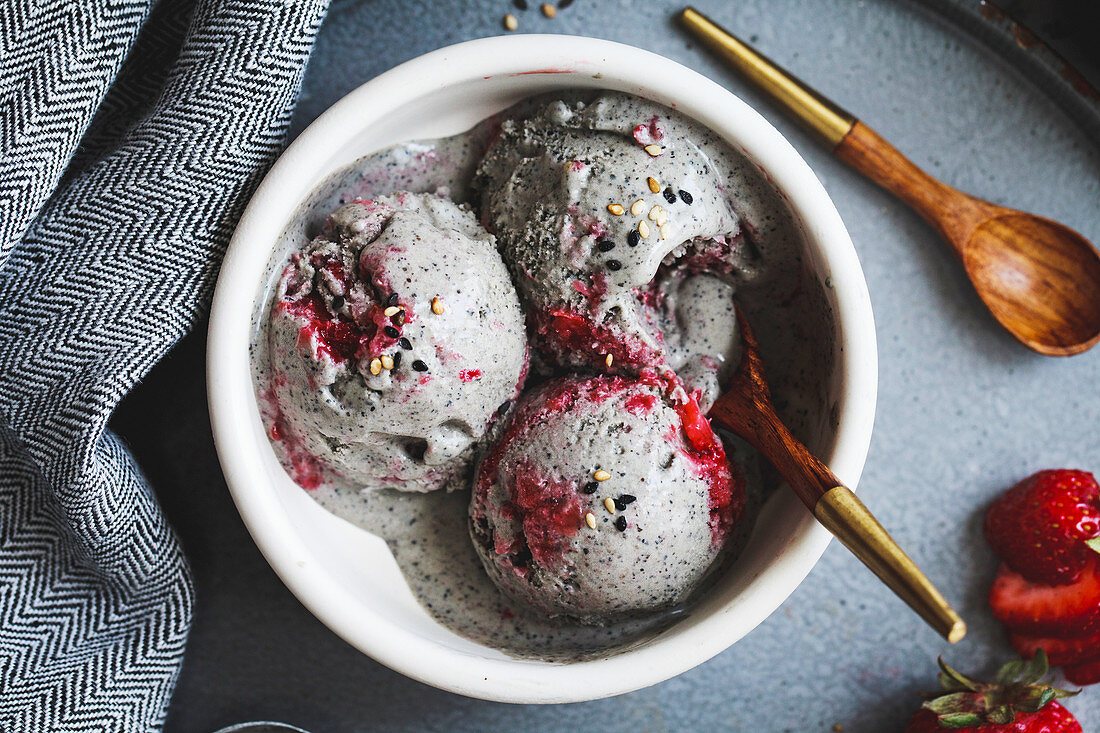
(746, 409)
(841, 512)
(761, 427)
(953, 213)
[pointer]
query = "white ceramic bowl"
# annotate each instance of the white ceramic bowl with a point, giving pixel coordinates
(346, 576)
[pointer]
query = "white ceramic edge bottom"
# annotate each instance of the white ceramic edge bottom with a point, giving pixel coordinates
(233, 408)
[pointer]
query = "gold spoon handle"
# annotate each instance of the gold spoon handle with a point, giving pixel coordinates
(825, 119)
(953, 213)
(838, 509)
(841, 512)
(746, 410)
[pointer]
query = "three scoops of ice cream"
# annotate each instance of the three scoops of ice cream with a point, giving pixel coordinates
(558, 356)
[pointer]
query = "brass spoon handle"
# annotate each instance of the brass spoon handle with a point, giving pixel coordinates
(845, 516)
(825, 119)
(841, 512)
(746, 410)
(953, 213)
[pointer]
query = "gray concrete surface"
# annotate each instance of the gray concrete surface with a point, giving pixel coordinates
(963, 410)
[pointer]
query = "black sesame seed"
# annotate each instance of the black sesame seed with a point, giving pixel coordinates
(686, 197)
(565, 4)
(614, 265)
(590, 487)
(625, 500)
(396, 359)
(670, 195)
(620, 524)
(392, 300)
(405, 343)
(338, 302)
(503, 407)
(420, 366)
(399, 318)
(605, 245)
(633, 237)
(391, 332)
(520, 4)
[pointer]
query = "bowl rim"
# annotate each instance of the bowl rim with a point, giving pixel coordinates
(526, 681)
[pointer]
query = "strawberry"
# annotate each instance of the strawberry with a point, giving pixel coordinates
(1060, 651)
(1041, 526)
(1052, 719)
(1083, 674)
(1020, 701)
(1045, 610)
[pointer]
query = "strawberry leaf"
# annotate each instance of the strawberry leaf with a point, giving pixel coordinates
(951, 678)
(1010, 672)
(956, 702)
(1094, 543)
(1037, 667)
(1032, 698)
(1060, 694)
(1021, 687)
(960, 720)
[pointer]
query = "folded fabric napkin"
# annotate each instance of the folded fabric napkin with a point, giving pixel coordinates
(131, 135)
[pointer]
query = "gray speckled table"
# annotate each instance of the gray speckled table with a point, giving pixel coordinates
(963, 410)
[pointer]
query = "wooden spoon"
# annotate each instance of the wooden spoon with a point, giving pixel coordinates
(746, 409)
(1039, 279)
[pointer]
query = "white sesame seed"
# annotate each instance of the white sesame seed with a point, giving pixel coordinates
(549, 10)
(608, 359)
(664, 231)
(662, 218)
(637, 208)
(616, 209)
(653, 185)
(510, 22)
(601, 475)
(376, 366)
(643, 229)
(609, 505)
(590, 520)
(387, 361)
(393, 310)
(437, 306)
(654, 212)
(654, 150)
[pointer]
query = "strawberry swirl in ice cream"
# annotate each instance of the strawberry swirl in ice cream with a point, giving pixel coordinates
(394, 338)
(590, 206)
(604, 497)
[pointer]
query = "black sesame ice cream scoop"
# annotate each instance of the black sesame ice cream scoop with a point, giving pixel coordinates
(394, 338)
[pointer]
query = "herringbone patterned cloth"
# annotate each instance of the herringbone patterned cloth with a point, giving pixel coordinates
(131, 135)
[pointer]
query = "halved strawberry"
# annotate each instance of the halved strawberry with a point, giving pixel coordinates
(1047, 610)
(1083, 674)
(1060, 651)
(1041, 526)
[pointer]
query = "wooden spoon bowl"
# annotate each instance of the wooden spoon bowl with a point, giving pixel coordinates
(1039, 279)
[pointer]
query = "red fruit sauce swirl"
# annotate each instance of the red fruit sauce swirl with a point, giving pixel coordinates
(335, 335)
(549, 510)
